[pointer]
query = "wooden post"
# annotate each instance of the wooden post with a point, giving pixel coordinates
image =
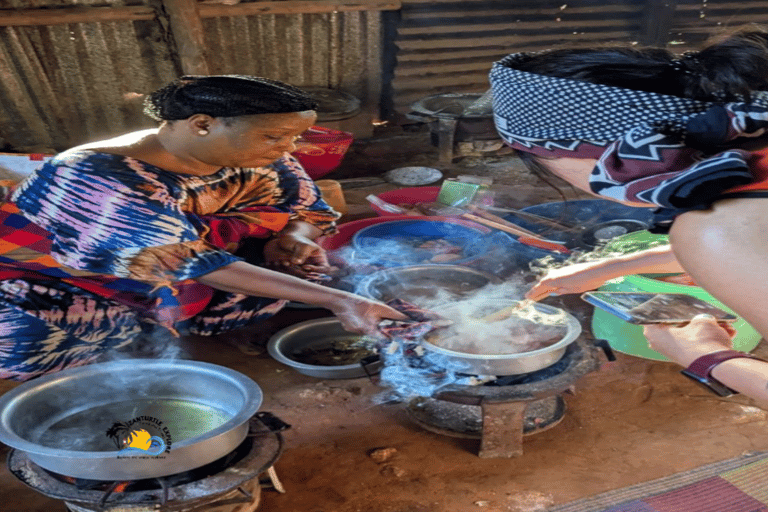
(658, 17)
(187, 31)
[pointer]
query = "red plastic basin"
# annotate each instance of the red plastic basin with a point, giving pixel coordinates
(411, 195)
(320, 150)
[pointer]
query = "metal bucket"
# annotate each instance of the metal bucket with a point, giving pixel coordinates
(198, 412)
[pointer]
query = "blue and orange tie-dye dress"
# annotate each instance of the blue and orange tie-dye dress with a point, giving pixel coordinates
(97, 248)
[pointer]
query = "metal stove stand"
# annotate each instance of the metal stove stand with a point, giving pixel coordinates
(500, 414)
(230, 484)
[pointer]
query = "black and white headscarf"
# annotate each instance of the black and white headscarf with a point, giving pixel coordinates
(653, 148)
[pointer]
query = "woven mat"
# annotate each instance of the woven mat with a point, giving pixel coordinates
(735, 485)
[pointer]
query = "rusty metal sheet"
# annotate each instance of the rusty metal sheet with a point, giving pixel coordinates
(449, 45)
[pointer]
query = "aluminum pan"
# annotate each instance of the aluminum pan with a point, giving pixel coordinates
(511, 364)
(42, 401)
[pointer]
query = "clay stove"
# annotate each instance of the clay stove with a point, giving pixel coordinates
(501, 412)
(460, 124)
(230, 484)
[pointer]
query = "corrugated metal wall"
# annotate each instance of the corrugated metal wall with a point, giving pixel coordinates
(450, 45)
(63, 85)
(341, 51)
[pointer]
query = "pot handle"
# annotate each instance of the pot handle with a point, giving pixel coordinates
(603, 344)
(269, 420)
(418, 116)
(371, 365)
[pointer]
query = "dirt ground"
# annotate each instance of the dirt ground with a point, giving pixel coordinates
(632, 421)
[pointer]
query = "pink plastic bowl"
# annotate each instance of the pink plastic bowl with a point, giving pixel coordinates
(411, 195)
(348, 229)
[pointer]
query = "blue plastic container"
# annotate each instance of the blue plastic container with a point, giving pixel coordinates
(394, 243)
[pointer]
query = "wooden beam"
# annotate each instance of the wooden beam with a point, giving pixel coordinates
(297, 7)
(187, 31)
(65, 15)
(56, 16)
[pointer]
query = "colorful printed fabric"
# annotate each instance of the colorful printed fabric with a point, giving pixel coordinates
(124, 233)
(45, 329)
(672, 152)
(740, 490)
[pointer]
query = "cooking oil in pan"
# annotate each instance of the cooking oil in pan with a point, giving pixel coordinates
(85, 430)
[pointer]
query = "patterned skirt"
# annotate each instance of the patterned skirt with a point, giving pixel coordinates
(46, 327)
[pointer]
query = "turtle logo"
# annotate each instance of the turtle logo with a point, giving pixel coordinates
(133, 437)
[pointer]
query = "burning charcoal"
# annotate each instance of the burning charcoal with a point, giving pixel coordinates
(382, 455)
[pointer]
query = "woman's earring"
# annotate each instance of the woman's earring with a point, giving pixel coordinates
(202, 132)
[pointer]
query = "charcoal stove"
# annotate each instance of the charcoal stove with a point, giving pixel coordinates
(460, 124)
(230, 484)
(499, 413)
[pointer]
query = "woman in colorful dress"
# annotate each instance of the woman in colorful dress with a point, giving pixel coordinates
(203, 225)
(648, 128)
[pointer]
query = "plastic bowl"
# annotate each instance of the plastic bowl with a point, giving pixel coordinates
(320, 150)
(411, 196)
(628, 338)
(393, 243)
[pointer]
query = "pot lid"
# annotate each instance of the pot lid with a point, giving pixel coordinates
(333, 105)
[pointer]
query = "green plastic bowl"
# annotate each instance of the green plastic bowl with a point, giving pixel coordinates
(628, 338)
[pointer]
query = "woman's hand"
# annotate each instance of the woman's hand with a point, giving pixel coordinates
(578, 278)
(701, 336)
(360, 315)
(296, 254)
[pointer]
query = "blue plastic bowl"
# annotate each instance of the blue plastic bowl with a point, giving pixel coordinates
(395, 243)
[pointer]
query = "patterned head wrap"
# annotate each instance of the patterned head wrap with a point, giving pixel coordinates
(673, 152)
(225, 96)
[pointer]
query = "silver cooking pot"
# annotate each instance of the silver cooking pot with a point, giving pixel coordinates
(416, 283)
(509, 364)
(197, 411)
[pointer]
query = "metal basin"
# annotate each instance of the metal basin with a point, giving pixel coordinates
(316, 333)
(509, 364)
(420, 283)
(200, 411)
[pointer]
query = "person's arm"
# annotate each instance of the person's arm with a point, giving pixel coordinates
(583, 277)
(703, 336)
(356, 313)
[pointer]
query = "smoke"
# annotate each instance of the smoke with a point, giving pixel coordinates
(410, 369)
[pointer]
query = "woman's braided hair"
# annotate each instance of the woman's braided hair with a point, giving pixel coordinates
(225, 96)
(729, 68)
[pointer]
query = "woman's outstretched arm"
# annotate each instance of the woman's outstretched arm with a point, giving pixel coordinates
(356, 313)
(583, 277)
